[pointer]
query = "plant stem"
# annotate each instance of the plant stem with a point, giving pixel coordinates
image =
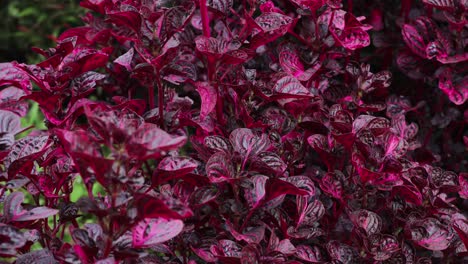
(205, 18)
(160, 100)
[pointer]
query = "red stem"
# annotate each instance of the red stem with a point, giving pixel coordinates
(151, 96)
(160, 100)
(205, 18)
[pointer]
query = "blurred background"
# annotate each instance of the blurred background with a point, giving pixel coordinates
(34, 23)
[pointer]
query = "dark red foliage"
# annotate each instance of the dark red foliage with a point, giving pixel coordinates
(221, 131)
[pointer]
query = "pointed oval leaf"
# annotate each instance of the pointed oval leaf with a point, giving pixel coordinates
(42, 256)
(219, 168)
(35, 214)
(149, 232)
(12, 238)
(217, 143)
(177, 165)
(12, 205)
(208, 97)
(255, 192)
(247, 144)
(430, 233)
(310, 254)
(369, 221)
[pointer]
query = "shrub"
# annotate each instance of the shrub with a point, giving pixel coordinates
(242, 132)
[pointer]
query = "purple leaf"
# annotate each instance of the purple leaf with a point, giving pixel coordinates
(430, 233)
(251, 235)
(175, 167)
(463, 180)
(309, 213)
(247, 144)
(10, 99)
(256, 190)
(441, 4)
(409, 193)
(290, 63)
(9, 124)
(149, 232)
(42, 256)
(215, 48)
(310, 254)
(10, 75)
(341, 252)
(35, 214)
(208, 96)
(12, 205)
(12, 238)
(271, 25)
(204, 195)
(219, 168)
(289, 88)
(222, 6)
(302, 182)
(217, 143)
(369, 221)
(269, 162)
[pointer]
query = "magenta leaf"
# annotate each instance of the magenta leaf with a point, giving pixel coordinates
(149, 232)
(208, 97)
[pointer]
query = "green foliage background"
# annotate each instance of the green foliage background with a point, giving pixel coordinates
(34, 23)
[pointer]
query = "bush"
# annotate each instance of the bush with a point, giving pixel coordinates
(241, 132)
